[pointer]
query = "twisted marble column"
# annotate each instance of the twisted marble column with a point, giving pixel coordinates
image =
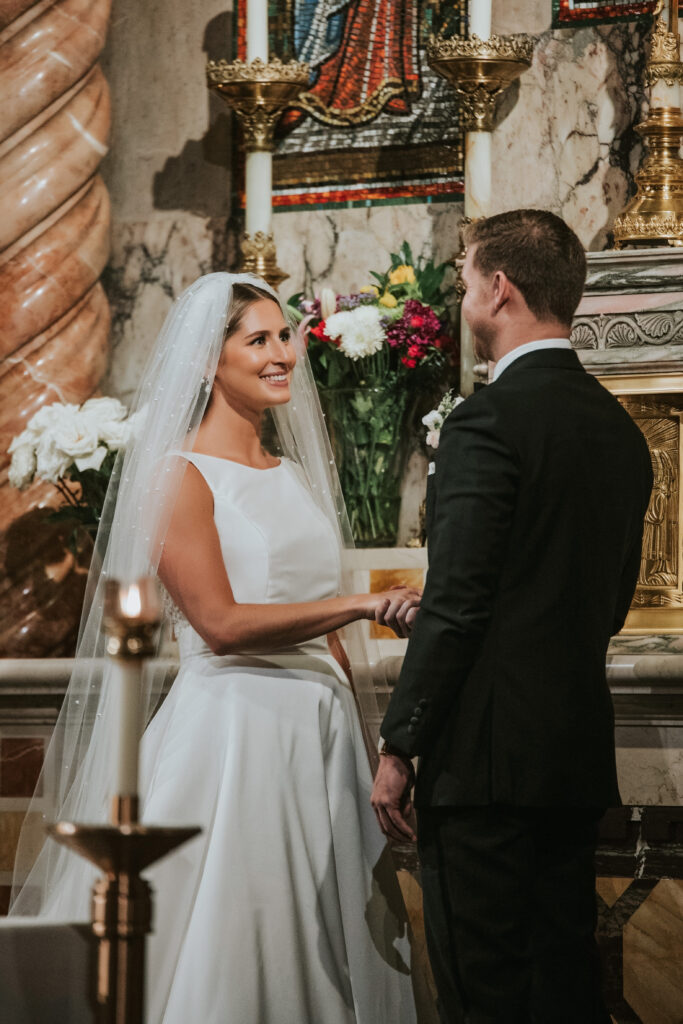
(54, 216)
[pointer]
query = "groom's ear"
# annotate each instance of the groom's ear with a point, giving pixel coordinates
(501, 287)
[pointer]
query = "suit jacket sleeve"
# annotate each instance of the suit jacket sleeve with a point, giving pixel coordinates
(476, 489)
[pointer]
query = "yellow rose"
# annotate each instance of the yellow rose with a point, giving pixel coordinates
(402, 275)
(388, 300)
(370, 289)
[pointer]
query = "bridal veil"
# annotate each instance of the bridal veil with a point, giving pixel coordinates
(77, 781)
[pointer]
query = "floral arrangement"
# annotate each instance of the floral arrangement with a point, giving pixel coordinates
(393, 331)
(435, 419)
(73, 447)
(371, 353)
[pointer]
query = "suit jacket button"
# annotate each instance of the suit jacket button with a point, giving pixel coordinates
(411, 728)
(423, 702)
(414, 720)
(417, 712)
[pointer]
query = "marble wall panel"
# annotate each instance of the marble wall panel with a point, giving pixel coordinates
(566, 141)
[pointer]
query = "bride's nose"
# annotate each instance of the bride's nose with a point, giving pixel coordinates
(282, 353)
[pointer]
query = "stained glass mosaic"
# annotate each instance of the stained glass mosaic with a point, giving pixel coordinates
(376, 124)
(578, 12)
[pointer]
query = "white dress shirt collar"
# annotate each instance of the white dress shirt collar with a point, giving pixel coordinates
(523, 350)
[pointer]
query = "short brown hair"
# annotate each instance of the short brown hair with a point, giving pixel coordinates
(539, 254)
(244, 295)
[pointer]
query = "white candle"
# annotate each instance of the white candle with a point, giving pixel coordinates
(478, 174)
(257, 29)
(480, 18)
(125, 679)
(259, 188)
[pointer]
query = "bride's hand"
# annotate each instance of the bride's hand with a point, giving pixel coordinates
(395, 608)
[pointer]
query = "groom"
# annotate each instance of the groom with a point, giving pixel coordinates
(542, 481)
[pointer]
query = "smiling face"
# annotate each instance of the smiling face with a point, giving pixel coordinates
(478, 307)
(256, 364)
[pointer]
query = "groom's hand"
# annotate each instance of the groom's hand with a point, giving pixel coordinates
(399, 609)
(391, 797)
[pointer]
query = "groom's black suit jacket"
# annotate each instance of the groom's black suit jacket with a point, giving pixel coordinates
(542, 481)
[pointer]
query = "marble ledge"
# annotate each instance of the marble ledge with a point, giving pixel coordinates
(634, 270)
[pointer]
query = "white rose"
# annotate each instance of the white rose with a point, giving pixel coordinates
(22, 439)
(93, 461)
(328, 303)
(22, 466)
(75, 435)
(116, 434)
(360, 331)
(433, 420)
(104, 410)
(49, 416)
(51, 461)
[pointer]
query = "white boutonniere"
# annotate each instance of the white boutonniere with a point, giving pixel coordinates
(434, 420)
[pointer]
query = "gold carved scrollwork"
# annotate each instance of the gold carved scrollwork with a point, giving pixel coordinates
(260, 257)
(258, 92)
(658, 601)
(480, 70)
(664, 62)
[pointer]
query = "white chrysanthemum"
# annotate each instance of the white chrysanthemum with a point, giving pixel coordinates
(22, 466)
(360, 331)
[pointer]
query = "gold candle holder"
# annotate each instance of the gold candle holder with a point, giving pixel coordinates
(258, 91)
(480, 70)
(121, 899)
(655, 214)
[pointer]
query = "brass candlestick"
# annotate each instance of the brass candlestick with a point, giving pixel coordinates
(258, 92)
(655, 214)
(122, 900)
(480, 70)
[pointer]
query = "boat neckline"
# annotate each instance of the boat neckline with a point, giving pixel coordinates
(243, 465)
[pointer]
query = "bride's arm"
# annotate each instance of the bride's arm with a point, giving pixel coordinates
(192, 570)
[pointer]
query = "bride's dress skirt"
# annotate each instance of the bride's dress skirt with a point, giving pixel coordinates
(286, 910)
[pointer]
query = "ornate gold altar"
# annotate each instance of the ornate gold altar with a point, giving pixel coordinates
(656, 404)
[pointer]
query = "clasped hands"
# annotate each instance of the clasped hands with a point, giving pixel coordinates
(391, 800)
(397, 609)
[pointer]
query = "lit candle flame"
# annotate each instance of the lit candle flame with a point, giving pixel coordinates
(131, 601)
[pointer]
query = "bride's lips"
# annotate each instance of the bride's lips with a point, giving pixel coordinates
(276, 380)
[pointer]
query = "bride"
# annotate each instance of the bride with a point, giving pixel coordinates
(286, 909)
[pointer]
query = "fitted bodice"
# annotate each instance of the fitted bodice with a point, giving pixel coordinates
(277, 545)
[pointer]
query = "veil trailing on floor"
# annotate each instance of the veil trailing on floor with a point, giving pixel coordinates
(77, 781)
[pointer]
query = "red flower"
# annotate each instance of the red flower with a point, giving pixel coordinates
(417, 321)
(321, 334)
(415, 352)
(410, 363)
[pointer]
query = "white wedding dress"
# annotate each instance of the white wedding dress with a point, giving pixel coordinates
(286, 909)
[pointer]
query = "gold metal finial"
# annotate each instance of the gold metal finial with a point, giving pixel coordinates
(480, 70)
(259, 257)
(655, 214)
(258, 91)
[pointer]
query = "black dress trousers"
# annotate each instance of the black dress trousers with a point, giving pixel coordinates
(510, 913)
